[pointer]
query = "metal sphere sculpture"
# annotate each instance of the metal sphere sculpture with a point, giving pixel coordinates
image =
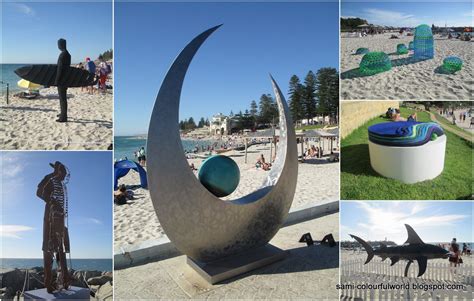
(220, 175)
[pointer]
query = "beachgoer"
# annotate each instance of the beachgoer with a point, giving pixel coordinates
(103, 77)
(120, 196)
(193, 168)
(261, 163)
(454, 254)
(90, 66)
(55, 233)
(412, 117)
(142, 156)
(64, 63)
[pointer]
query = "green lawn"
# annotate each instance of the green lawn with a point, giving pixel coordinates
(310, 127)
(360, 182)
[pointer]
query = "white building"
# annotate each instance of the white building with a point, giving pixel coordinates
(219, 125)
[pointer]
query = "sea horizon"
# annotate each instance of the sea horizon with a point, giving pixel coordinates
(126, 146)
(85, 264)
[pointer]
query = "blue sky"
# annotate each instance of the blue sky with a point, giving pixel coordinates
(410, 13)
(231, 69)
(90, 203)
(433, 221)
(30, 30)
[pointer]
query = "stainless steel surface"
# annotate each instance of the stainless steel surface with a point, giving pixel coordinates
(201, 225)
(229, 267)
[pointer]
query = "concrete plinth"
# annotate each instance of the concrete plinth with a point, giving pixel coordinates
(73, 293)
(232, 266)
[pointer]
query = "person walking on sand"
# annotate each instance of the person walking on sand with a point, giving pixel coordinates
(90, 66)
(64, 63)
(454, 255)
(52, 190)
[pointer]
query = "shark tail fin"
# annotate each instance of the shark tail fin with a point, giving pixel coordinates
(367, 247)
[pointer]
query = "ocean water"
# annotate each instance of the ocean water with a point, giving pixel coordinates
(77, 264)
(8, 75)
(125, 146)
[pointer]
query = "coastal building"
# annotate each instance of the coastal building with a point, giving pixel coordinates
(220, 125)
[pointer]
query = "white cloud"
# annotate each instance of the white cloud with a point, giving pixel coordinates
(13, 231)
(390, 18)
(469, 14)
(386, 220)
(94, 221)
(24, 9)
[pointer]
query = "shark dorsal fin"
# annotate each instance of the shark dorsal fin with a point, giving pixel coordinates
(413, 238)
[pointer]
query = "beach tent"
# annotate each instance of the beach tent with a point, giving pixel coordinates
(121, 169)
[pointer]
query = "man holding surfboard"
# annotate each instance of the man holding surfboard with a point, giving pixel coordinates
(64, 63)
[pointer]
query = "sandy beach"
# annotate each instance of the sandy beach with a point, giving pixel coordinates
(136, 222)
(407, 80)
(31, 124)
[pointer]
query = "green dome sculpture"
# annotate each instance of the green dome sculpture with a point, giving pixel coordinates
(452, 64)
(362, 50)
(423, 44)
(374, 62)
(402, 49)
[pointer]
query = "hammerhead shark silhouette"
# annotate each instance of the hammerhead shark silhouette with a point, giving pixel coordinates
(413, 249)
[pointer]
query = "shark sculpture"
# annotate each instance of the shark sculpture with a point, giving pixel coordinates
(413, 249)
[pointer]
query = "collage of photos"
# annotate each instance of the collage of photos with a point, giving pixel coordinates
(267, 150)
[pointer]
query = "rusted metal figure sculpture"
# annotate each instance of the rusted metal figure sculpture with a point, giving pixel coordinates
(52, 190)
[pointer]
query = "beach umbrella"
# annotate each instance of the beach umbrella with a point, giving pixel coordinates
(27, 84)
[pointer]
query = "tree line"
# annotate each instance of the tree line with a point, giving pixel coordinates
(318, 94)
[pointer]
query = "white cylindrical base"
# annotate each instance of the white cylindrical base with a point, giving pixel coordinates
(409, 164)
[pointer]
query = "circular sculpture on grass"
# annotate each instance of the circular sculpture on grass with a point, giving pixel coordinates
(423, 43)
(452, 64)
(362, 50)
(220, 175)
(402, 49)
(375, 62)
(411, 46)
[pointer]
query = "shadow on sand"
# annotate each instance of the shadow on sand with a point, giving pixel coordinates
(355, 73)
(31, 109)
(101, 123)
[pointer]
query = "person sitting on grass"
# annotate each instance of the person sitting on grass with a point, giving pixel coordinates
(412, 117)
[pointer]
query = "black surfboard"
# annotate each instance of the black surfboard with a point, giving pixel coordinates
(45, 75)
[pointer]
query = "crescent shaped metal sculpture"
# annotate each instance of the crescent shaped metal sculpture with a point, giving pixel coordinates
(201, 225)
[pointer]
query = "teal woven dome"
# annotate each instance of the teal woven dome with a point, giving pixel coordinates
(402, 49)
(374, 62)
(411, 46)
(362, 50)
(423, 43)
(452, 64)
(220, 175)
